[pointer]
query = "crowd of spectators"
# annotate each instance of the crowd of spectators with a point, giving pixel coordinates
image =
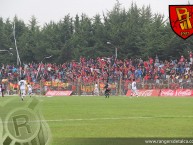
(101, 68)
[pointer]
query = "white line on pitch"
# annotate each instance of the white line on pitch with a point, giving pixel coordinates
(113, 118)
(121, 118)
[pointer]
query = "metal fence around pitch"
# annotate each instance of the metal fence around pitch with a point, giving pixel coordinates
(118, 87)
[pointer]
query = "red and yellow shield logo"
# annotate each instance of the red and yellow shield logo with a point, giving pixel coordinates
(181, 20)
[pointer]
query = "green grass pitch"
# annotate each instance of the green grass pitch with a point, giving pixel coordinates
(118, 116)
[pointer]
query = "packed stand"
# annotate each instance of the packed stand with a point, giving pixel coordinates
(92, 70)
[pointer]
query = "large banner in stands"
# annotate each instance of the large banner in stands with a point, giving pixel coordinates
(58, 93)
(153, 92)
(56, 84)
(177, 92)
(87, 88)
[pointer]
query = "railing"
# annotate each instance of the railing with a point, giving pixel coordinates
(118, 86)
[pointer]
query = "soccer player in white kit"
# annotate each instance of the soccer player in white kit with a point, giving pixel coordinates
(134, 88)
(29, 89)
(96, 89)
(22, 84)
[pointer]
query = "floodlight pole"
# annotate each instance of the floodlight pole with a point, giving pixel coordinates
(114, 47)
(18, 58)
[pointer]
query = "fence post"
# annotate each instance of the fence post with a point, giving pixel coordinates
(168, 83)
(143, 85)
(98, 87)
(120, 81)
(78, 87)
(40, 87)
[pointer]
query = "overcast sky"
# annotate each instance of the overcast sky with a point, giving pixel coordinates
(47, 10)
